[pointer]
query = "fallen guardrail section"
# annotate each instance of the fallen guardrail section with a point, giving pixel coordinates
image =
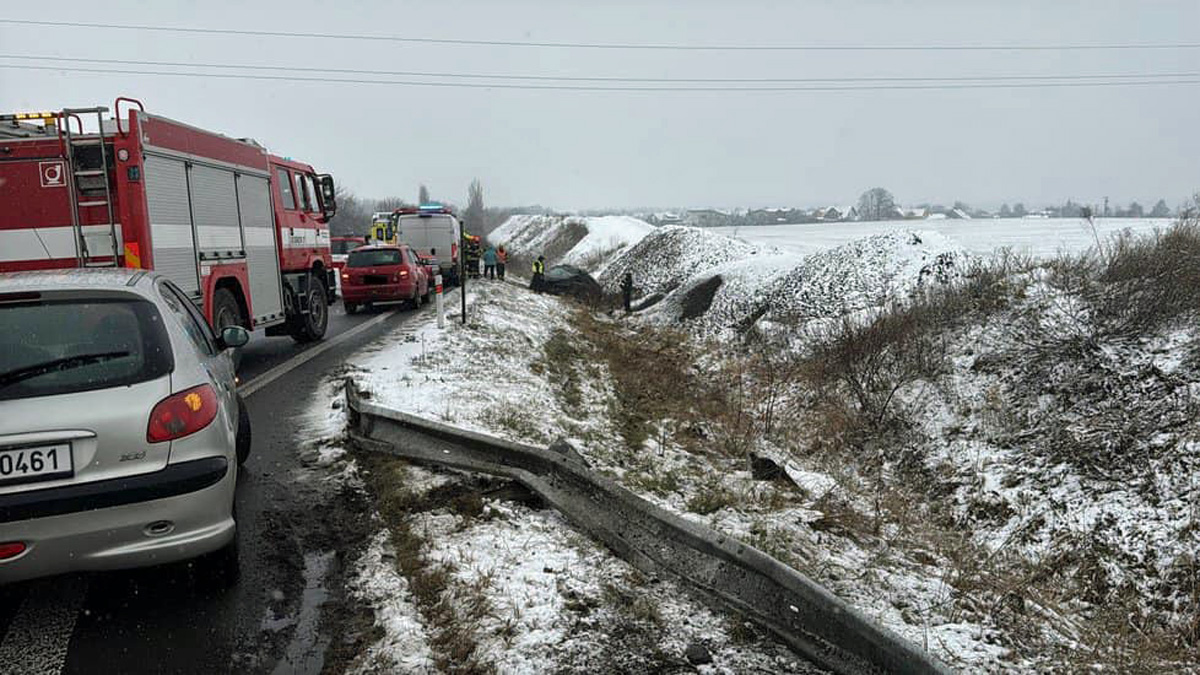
(805, 616)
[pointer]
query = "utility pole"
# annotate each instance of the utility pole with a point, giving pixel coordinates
(462, 270)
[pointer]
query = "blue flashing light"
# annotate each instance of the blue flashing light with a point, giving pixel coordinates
(430, 207)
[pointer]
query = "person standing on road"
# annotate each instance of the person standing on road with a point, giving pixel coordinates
(539, 274)
(627, 290)
(501, 262)
(489, 262)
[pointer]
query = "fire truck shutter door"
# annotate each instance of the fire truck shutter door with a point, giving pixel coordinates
(214, 207)
(171, 222)
(262, 258)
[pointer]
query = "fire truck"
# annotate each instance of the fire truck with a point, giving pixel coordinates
(242, 231)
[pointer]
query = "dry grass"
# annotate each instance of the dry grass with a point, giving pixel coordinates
(451, 610)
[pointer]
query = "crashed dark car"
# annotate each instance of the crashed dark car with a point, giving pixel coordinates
(572, 281)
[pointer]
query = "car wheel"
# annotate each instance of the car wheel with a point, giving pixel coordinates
(311, 327)
(243, 441)
(351, 307)
(227, 312)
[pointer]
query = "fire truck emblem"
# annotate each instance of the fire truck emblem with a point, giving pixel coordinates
(52, 174)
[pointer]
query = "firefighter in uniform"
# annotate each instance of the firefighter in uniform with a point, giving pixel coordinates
(539, 274)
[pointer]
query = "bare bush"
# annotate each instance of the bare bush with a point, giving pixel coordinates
(871, 361)
(1149, 281)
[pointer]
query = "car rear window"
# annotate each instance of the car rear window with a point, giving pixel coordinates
(57, 345)
(373, 258)
(343, 247)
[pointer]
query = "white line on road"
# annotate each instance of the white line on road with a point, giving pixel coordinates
(282, 369)
(37, 638)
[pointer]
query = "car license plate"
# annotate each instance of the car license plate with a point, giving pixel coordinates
(44, 462)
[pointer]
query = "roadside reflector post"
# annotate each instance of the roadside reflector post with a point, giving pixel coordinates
(441, 308)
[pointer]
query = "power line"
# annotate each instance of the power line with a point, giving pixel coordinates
(603, 45)
(556, 87)
(658, 80)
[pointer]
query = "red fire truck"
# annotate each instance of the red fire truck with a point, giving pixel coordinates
(243, 231)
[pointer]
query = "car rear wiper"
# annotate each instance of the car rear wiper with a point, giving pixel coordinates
(57, 365)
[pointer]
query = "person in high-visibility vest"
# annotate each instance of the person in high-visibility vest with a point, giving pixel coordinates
(539, 274)
(501, 262)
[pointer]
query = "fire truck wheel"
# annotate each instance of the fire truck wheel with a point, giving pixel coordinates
(351, 307)
(226, 312)
(310, 327)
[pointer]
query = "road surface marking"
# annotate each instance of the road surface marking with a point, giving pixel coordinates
(307, 355)
(38, 637)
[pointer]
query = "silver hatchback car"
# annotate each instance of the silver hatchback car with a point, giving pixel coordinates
(121, 429)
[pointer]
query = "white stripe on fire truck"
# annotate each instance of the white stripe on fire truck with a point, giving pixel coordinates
(47, 243)
(169, 235)
(303, 237)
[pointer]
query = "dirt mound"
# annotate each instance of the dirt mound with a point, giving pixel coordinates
(699, 298)
(789, 289)
(667, 257)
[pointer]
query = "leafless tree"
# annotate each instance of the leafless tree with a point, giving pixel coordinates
(423, 195)
(474, 214)
(876, 204)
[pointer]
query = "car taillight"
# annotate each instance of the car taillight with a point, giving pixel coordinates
(181, 414)
(345, 275)
(403, 274)
(11, 550)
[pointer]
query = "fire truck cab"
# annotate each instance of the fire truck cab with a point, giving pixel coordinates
(242, 231)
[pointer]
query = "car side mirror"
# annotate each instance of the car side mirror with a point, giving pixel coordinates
(233, 337)
(328, 195)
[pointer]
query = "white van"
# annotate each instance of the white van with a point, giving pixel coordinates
(432, 231)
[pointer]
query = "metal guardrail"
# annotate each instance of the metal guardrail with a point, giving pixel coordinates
(804, 615)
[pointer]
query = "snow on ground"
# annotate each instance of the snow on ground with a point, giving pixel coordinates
(559, 601)
(1037, 236)
(669, 256)
(489, 376)
(555, 594)
(593, 240)
(404, 646)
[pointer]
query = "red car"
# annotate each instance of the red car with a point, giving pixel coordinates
(383, 274)
(341, 247)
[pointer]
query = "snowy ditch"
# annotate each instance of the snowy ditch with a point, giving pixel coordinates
(551, 598)
(1018, 512)
(800, 613)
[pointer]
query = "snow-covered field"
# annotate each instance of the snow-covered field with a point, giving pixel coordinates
(1036, 236)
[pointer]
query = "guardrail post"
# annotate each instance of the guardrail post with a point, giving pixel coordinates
(441, 308)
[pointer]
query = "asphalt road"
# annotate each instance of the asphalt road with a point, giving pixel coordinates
(162, 620)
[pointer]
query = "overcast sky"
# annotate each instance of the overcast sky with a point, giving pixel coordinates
(576, 149)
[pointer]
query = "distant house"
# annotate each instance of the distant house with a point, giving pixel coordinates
(848, 212)
(830, 213)
(706, 217)
(958, 214)
(669, 218)
(919, 213)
